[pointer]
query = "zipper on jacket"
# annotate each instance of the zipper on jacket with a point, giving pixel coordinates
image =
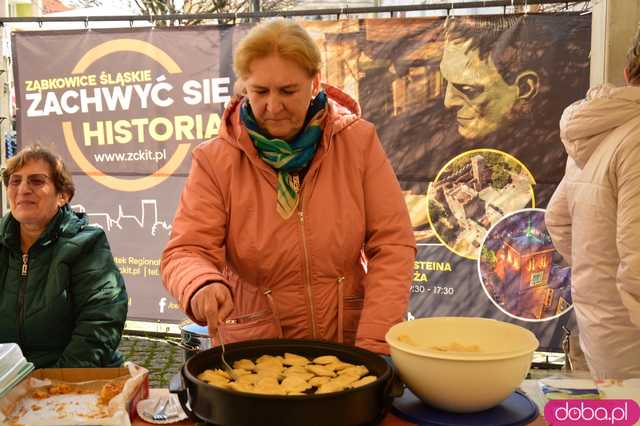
(307, 274)
(25, 265)
(21, 295)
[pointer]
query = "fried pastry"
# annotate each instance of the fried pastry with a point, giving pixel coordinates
(292, 374)
(337, 366)
(306, 376)
(330, 387)
(108, 391)
(319, 381)
(61, 389)
(266, 358)
(269, 390)
(326, 359)
(267, 381)
(40, 394)
(245, 364)
(320, 370)
(296, 369)
(345, 380)
(249, 379)
(214, 377)
(269, 365)
(364, 381)
(270, 372)
(456, 347)
(241, 387)
(358, 370)
(240, 372)
(293, 359)
(295, 384)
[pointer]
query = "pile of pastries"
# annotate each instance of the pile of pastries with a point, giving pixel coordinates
(290, 374)
(449, 347)
(60, 389)
(107, 392)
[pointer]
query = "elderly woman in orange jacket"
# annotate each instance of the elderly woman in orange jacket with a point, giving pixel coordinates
(292, 223)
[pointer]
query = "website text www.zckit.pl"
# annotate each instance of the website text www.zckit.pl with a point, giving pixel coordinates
(592, 412)
(140, 155)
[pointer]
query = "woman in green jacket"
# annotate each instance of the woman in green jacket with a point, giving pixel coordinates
(62, 298)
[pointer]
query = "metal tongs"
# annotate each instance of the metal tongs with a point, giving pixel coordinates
(225, 364)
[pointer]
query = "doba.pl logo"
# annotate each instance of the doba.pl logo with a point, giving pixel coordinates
(592, 412)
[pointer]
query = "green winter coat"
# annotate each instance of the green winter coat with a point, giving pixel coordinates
(64, 302)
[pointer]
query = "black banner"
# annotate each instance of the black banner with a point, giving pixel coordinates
(467, 109)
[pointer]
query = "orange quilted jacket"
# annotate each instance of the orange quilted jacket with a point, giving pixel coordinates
(340, 269)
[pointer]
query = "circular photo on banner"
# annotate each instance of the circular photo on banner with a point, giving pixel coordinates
(471, 193)
(417, 206)
(521, 271)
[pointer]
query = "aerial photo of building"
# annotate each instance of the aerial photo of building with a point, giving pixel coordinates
(472, 193)
(521, 270)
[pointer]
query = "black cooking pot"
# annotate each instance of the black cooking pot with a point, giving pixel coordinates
(361, 406)
(194, 338)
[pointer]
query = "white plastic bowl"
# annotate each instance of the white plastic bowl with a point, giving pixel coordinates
(461, 381)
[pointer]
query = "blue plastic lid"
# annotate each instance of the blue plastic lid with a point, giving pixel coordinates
(516, 410)
(196, 329)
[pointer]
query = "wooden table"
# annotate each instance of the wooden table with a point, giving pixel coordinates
(390, 420)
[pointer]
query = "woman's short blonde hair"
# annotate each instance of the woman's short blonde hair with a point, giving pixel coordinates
(633, 60)
(284, 38)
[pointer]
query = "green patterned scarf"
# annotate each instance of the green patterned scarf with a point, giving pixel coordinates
(288, 157)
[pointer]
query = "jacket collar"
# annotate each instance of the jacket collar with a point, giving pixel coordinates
(342, 110)
(65, 223)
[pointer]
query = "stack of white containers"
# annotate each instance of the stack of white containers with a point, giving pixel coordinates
(13, 367)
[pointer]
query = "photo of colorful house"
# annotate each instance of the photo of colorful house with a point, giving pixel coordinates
(520, 269)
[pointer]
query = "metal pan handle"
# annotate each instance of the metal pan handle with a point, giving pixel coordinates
(394, 387)
(176, 385)
(182, 345)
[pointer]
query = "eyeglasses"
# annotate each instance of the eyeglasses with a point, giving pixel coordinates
(35, 181)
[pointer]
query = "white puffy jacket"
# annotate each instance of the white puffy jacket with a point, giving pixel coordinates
(594, 221)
